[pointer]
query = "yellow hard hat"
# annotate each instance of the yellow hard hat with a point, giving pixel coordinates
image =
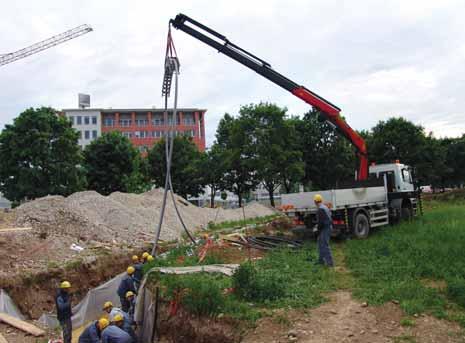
(107, 305)
(317, 198)
(145, 254)
(103, 323)
(130, 270)
(150, 258)
(129, 294)
(65, 284)
(118, 318)
(135, 258)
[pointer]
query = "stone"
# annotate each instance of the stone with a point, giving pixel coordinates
(364, 304)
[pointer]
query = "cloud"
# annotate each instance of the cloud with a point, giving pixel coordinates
(374, 59)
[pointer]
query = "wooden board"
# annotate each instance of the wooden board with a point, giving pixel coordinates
(21, 324)
(15, 229)
(3, 339)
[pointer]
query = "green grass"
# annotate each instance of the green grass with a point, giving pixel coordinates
(395, 262)
(282, 279)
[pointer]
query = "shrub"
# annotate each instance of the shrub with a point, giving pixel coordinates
(259, 286)
(456, 290)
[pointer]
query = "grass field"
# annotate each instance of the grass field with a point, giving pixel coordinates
(421, 264)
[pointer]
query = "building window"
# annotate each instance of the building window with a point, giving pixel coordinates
(79, 120)
(108, 122)
(158, 122)
(94, 134)
(189, 133)
(127, 134)
(188, 120)
(86, 120)
(80, 135)
(142, 122)
(86, 134)
(156, 134)
(125, 122)
(94, 120)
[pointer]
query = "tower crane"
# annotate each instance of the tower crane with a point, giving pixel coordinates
(45, 44)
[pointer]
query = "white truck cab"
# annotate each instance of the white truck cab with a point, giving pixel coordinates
(399, 176)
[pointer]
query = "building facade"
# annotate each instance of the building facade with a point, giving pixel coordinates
(143, 127)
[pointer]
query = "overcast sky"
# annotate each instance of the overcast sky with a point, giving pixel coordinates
(374, 59)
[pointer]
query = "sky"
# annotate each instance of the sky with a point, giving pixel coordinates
(374, 59)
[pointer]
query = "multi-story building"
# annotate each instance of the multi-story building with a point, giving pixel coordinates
(143, 127)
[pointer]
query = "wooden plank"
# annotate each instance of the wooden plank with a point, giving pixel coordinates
(21, 324)
(15, 229)
(3, 339)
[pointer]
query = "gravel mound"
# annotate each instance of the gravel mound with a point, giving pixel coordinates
(121, 217)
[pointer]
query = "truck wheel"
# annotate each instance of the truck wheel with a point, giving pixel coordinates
(361, 226)
(405, 214)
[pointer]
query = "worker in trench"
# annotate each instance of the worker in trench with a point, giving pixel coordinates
(324, 228)
(128, 318)
(127, 284)
(114, 333)
(137, 264)
(64, 313)
(93, 332)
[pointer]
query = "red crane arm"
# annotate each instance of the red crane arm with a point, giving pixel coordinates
(330, 111)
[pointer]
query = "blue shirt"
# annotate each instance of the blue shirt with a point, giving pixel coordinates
(63, 303)
(324, 217)
(126, 284)
(91, 334)
(113, 334)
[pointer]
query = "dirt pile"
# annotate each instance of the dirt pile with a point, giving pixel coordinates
(120, 217)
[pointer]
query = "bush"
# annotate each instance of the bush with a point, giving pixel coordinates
(200, 293)
(258, 286)
(456, 290)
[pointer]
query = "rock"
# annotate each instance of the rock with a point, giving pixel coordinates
(293, 339)
(333, 311)
(375, 331)
(416, 315)
(358, 311)
(350, 334)
(364, 304)
(292, 333)
(395, 302)
(362, 332)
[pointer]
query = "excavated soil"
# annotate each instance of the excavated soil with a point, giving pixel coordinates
(345, 320)
(97, 223)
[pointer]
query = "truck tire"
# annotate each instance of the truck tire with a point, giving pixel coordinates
(361, 227)
(405, 214)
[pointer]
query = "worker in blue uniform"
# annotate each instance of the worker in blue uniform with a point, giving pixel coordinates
(93, 332)
(127, 284)
(64, 313)
(324, 227)
(115, 334)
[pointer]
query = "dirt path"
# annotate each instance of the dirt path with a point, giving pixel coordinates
(343, 319)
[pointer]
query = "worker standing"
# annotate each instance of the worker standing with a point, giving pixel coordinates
(115, 334)
(325, 224)
(131, 298)
(126, 285)
(64, 313)
(137, 264)
(93, 332)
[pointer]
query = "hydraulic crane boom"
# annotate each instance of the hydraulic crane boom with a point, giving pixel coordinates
(330, 111)
(45, 44)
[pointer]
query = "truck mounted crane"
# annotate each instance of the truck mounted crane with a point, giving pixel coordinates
(389, 196)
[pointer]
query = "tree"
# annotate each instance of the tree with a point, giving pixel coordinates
(400, 139)
(39, 156)
(454, 161)
(235, 138)
(112, 164)
(213, 169)
(328, 156)
(278, 159)
(186, 170)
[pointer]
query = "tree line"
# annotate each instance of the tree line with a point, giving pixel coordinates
(262, 145)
